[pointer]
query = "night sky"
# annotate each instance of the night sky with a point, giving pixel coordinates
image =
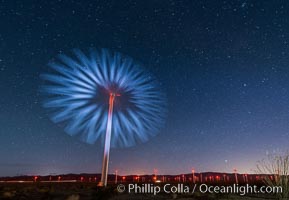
(223, 65)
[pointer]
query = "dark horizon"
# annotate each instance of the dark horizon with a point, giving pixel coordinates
(202, 177)
(113, 174)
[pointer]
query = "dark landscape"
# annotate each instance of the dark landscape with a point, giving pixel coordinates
(84, 186)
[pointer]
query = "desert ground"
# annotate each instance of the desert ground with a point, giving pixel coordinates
(86, 191)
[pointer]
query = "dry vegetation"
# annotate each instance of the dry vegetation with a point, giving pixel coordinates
(277, 165)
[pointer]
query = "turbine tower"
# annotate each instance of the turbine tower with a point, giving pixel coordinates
(105, 160)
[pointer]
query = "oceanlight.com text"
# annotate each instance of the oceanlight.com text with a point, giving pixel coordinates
(202, 188)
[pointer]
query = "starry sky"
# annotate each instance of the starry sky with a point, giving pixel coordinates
(223, 65)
